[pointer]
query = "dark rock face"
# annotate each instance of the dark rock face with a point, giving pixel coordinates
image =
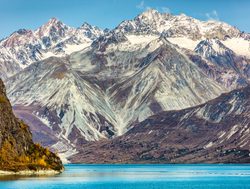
(214, 132)
(216, 52)
(17, 150)
(102, 42)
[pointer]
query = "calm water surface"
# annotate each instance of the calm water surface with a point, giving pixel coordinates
(138, 176)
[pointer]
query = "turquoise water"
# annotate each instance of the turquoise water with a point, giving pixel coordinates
(138, 177)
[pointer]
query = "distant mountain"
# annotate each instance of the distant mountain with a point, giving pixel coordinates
(216, 52)
(214, 132)
(228, 68)
(154, 22)
(54, 38)
(17, 150)
(90, 85)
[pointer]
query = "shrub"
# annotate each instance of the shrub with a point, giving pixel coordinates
(42, 162)
(23, 125)
(3, 99)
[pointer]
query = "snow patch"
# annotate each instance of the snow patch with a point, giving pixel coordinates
(139, 39)
(210, 144)
(239, 45)
(184, 42)
(233, 130)
(221, 134)
(74, 48)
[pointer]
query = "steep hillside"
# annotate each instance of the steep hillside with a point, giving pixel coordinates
(17, 150)
(214, 132)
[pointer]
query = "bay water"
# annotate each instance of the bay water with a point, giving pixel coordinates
(176, 176)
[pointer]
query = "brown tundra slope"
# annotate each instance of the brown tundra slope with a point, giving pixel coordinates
(17, 150)
(215, 132)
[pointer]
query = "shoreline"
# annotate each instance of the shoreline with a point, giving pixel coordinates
(30, 172)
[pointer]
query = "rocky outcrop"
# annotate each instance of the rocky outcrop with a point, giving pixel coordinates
(17, 150)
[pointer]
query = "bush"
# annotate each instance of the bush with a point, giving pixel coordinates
(23, 125)
(42, 162)
(3, 99)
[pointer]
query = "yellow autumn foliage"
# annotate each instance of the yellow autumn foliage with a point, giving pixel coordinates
(47, 152)
(2, 99)
(42, 162)
(23, 125)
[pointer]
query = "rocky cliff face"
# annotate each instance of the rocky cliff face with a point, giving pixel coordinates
(215, 132)
(17, 150)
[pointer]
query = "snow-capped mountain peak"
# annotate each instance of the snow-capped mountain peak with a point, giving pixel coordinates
(52, 23)
(54, 38)
(53, 31)
(53, 20)
(86, 25)
(89, 31)
(153, 22)
(154, 15)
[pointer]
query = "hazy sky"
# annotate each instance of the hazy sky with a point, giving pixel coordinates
(30, 14)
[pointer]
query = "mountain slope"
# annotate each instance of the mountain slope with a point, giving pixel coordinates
(17, 150)
(214, 132)
(100, 92)
(61, 105)
(166, 80)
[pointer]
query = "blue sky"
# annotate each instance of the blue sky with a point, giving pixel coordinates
(30, 14)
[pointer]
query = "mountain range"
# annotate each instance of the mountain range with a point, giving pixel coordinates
(76, 87)
(54, 38)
